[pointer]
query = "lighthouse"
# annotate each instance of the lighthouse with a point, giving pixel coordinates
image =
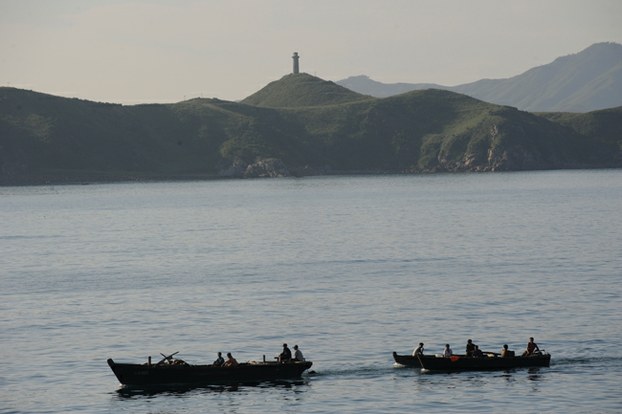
(295, 57)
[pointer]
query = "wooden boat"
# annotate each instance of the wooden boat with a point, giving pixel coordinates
(489, 361)
(175, 372)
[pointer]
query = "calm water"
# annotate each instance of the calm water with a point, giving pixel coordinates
(349, 268)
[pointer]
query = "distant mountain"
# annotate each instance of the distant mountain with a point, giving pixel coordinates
(587, 81)
(364, 85)
(299, 125)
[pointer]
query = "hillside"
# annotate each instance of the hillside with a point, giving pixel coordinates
(48, 139)
(436, 130)
(587, 81)
(605, 124)
(298, 90)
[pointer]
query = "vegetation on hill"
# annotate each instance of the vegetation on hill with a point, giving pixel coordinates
(302, 90)
(436, 130)
(296, 126)
(604, 125)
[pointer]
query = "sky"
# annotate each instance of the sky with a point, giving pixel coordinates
(157, 51)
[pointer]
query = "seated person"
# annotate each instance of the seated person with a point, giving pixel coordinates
(230, 362)
(219, 361)
(505, 352)
(418, 351)
(298, 354)
(286, 355)
(470, 347)
(532, 348)
(447, 352)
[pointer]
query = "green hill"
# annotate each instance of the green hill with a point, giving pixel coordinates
(436, 130)
(605, 125)
(301, 90)
(299, 125)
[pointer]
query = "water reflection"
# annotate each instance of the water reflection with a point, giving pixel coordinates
(129, 392)
(508, 377)
(534, 374)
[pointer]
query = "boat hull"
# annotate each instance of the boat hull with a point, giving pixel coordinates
(145, 375)
(464, 363)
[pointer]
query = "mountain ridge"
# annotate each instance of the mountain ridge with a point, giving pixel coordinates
(585, 81)
(289, 129)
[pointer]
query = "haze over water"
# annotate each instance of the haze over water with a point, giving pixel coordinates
(349, 268)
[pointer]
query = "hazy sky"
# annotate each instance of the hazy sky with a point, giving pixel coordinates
(138, 51)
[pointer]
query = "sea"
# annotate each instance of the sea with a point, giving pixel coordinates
(349, 268)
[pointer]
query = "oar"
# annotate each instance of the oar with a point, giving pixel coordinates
(421, 362)
(167, 358)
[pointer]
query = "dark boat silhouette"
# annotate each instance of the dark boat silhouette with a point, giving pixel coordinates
(489, 361)
(175, 372)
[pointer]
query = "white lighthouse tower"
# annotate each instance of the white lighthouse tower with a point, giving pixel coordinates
(295, 57)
